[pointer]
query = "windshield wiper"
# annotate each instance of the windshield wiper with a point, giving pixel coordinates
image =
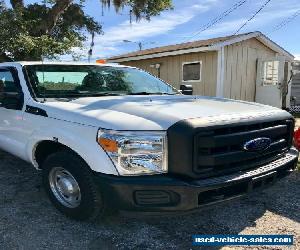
(150, 93)
(103, 94)
(87, 94)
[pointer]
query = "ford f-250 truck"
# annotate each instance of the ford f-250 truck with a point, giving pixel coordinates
(108, 136)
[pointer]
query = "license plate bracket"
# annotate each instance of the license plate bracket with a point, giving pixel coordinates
(262, 181)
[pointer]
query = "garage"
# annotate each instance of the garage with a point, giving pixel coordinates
(248, 67)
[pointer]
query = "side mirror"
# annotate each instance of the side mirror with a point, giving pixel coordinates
(186, 89)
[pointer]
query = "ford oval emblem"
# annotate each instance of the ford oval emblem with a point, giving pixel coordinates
(257, 144)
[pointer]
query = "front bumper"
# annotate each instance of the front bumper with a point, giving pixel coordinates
(163, 193)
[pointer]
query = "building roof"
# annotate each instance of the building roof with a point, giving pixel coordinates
(197, 46)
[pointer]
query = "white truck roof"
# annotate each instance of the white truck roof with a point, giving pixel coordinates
(23, 63)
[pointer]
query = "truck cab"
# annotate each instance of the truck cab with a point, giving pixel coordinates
(110, 137)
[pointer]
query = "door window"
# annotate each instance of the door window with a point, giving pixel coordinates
(7, 82)
(10, 90)
(270, 73)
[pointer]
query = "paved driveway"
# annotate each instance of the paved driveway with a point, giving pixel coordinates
(28, 220)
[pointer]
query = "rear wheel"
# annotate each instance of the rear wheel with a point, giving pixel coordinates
(69, 183)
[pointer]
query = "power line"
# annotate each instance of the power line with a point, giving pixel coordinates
(252, 17)
(286, 21)
(218, 18)
(139, 43)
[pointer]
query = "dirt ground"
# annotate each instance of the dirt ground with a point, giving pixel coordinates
(29, 221)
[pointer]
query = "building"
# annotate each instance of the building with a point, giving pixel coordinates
(247, 67)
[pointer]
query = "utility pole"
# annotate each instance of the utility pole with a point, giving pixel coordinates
(90, 52)
(140, 46)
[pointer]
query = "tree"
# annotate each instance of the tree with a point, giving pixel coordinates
(53, 27)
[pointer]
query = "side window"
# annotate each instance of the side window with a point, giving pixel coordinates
(7, 82)
(11, 96)
(191, 71)
(270, 73)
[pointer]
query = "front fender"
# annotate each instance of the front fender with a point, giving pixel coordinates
(81, 139)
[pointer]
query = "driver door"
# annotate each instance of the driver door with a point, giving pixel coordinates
(12, 138)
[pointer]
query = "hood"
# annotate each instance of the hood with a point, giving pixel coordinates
(152, 112)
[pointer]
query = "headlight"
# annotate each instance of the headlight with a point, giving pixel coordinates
(135, 153)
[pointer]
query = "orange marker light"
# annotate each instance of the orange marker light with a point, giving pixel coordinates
(101, 61)
(108, 145)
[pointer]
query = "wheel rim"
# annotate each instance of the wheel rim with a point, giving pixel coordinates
(65, 187)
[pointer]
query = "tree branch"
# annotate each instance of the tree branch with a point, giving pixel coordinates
(56, 11)
(17, 3)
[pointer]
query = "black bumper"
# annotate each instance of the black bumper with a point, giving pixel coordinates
(156, 194)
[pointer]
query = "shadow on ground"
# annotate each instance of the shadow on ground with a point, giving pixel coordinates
(28, 220)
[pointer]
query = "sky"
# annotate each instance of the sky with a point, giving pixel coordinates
(188, 17)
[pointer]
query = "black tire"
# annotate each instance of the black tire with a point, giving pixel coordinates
(92, 204)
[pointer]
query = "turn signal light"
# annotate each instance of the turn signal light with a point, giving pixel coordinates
(108, 145)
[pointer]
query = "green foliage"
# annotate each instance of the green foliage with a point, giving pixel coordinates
(21, 39)
(141, 8)
(57, 86)
(149, 8)
(53, 27)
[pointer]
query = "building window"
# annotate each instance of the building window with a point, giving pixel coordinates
(191, 71)
(270, 72)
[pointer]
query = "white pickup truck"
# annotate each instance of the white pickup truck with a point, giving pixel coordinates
(113, 137)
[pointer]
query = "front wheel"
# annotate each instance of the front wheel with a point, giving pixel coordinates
(69, 183)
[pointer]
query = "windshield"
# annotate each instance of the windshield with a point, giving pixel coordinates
(59, 81)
